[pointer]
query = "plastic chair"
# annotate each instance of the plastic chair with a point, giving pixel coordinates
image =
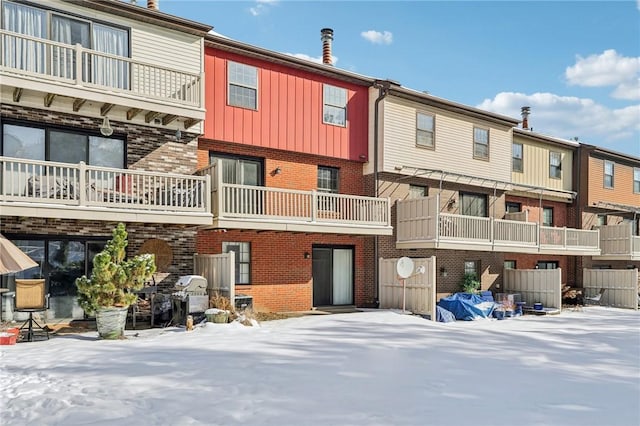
(595, 300)
(30, 297)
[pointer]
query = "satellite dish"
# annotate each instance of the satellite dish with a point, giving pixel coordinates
(404, 267)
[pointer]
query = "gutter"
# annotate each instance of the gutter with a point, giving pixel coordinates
(383, 90)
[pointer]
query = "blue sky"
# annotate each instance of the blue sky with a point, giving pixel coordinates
(575, 63)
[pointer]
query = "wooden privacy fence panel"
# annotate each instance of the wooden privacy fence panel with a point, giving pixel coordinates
(219, 270)
(420, 289)
(621, 284)
(535, 285)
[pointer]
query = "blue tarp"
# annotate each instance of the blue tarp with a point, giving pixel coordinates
(442, 315)
(467, 306)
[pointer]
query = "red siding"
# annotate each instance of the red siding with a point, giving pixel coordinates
(289, 114)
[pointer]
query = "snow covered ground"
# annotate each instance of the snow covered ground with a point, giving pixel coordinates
(371, 368)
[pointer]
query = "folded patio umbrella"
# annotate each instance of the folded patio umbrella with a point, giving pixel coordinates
(12, 259)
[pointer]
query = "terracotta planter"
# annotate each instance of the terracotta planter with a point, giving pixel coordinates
(111, 321)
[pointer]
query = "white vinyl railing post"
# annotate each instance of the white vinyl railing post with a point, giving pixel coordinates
(314, 205)
(219, 188)
(206, 199)
(564, 234)
(79, 60)
(83, 183)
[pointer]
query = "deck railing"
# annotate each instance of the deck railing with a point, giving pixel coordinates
(74, 64)
(420, 220)
(48, 182)
(231, 201)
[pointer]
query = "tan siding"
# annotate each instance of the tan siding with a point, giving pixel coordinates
(622, 191)
(453, 142)
(167, 48)
(535, 159)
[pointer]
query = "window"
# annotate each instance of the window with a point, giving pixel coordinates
(60, 261)
(509, 264)
(516, 164)
(481, 143)
(243, 85)
(335, 105)
(65, 146)
(547, 264)
(547, 216)
(327, 179)
(601, 220)
(424, 130)
(555, 170)
(31, 56)
(608, 174)
(243, 260)
(239, 170)
(417, 191)
(473, 204)
(471, 267)
(636, 180)
(513, 207)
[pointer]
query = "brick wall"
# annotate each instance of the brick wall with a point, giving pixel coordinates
(281, 278)
(298, 171)
(181, 239)
(561, 215)
(148, 148)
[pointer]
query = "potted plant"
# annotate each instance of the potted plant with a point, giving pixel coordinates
(109, 291)
(470, 283)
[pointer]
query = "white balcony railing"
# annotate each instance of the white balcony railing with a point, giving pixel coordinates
(37, 57)
(232, 201)
(45, 182)
(421, 222)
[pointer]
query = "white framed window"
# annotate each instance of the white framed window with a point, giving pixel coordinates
(425, 130)
(608, 174)
(480, 143)
(327, 179)
(242, 85)
(334, 110)
(242, 251)
(509, 264)
(636, 180)
(473, 204)
(417, 191)
(547, 216)
(555, 165)
(516, 163)
(472, 267)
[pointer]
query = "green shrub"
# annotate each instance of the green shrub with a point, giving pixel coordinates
(470, 283)
(113, 278)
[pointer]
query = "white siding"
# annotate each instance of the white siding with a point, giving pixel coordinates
(149, 43)
(535, 163)
(453, 142)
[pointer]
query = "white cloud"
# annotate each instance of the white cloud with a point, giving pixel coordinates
(607, 69)
(568, 116)
(261, 6)
(377, 37)
(316, 59)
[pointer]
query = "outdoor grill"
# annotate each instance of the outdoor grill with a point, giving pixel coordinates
(189, 297)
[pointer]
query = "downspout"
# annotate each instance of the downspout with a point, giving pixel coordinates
(383, 91)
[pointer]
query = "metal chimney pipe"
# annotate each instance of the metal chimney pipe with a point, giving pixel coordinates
(152, 4)
(525, 111)
(326, 35)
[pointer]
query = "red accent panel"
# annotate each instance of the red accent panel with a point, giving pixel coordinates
(289, 114)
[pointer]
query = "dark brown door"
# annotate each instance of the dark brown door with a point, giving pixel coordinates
(322, 274)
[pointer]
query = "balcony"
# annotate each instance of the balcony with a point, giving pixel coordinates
(420, 224)
(48, 189)
(56, 70)
(263, 208)
(617, 242)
